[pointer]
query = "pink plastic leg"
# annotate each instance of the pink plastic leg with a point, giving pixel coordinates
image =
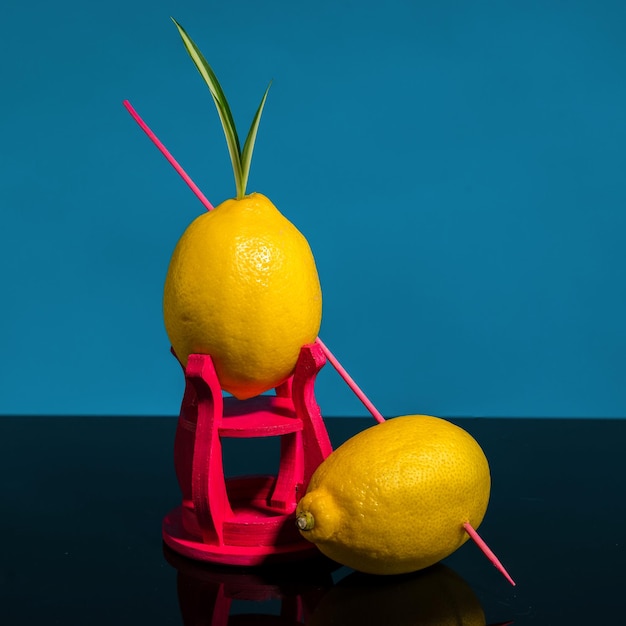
(208, 486)
(284, 494)
(315, 441)
(303, 451)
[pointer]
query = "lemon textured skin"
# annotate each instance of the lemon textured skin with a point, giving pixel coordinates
(242, 286)
(393, 498)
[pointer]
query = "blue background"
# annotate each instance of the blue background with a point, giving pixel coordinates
(457, 167)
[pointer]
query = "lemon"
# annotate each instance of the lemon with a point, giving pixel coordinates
(436, 596)
(242, 286)
(393, 498)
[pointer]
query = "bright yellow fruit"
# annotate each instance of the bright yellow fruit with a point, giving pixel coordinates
(242, 286)
(393, 498)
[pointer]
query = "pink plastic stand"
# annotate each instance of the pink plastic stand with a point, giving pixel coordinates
(244, 520)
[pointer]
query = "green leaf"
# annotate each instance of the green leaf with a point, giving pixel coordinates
(248, 147)
(223, 110)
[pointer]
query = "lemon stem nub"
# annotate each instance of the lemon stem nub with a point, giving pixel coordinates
(305, 521)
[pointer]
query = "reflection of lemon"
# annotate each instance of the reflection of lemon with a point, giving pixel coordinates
(242, 286)
(393, 498)
(436, 596)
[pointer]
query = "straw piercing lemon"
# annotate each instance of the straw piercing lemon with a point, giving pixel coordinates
(242, 285)
(394, 498)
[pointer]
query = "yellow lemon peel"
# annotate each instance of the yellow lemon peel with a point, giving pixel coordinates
(242, 286)
(396, 495)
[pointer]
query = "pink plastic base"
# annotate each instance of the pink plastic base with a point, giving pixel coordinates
(244, 521)
(255, 535)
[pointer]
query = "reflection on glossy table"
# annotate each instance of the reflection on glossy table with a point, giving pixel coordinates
(83, 500)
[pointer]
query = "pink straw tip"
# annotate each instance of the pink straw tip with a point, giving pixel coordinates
(486, 550)
(167, 154)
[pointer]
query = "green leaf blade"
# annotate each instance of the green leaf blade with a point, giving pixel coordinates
(221, 104)
(248, 147)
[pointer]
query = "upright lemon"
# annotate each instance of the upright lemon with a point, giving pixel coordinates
(242, 285)
(393, 498)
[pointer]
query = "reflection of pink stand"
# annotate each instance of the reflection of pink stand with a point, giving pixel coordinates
(244, 520)
(215, 596)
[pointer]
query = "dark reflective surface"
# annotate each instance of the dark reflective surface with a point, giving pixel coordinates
(83, 499)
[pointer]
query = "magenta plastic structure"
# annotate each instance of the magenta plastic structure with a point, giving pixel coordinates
(247, 520)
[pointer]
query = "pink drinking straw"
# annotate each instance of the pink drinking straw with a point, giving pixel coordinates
(478, 540)
(166, 153)
(351, 383)
(329, 355)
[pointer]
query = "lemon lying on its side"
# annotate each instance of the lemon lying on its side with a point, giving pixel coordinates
(393, 499)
